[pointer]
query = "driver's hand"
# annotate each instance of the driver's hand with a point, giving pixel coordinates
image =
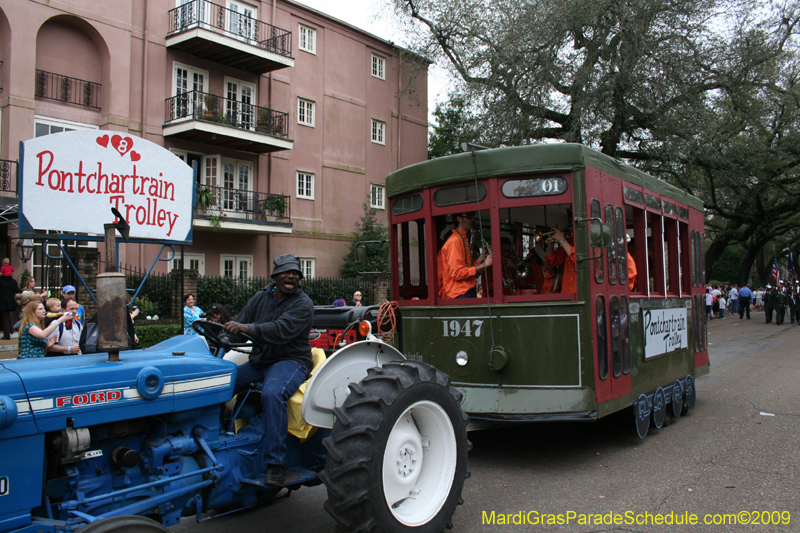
(236, 327)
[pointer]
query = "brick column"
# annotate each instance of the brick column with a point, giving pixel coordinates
(86, 261)
(189, 286)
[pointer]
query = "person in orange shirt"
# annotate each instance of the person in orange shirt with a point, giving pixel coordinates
(632, 272)
(565, 255)
(457, 268)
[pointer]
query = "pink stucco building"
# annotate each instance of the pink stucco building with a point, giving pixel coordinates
(293, 118)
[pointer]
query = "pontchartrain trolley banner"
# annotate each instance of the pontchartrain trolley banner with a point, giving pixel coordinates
(92, 171)
(664, 331)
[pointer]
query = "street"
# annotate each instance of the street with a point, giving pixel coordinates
(737, 451)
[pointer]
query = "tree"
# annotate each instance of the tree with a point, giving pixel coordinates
(603, 73)
(453, 127)
(368, 229)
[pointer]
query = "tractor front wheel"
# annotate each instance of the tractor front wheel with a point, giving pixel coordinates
(397, 454)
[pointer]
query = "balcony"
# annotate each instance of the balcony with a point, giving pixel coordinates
(204, 29)
(238, 211)
(227, 123)
(67, 90)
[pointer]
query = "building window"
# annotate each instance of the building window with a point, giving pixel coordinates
(236, 266)
(191, 262)
(305, 185)
(308, 39)
(377, 195)
(378, 67)
(308, 266)
(210, 170)
(47, 126)
(378, 132)
(305, 112)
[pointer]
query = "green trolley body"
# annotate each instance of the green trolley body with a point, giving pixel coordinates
(569, 349)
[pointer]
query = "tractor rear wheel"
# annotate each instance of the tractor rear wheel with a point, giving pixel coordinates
(397, 454)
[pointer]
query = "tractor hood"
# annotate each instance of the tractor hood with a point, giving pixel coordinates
(41, 395)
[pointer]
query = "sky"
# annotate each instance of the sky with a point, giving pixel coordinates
(372, 16)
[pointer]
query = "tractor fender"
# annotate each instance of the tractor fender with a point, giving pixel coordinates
(328, 387)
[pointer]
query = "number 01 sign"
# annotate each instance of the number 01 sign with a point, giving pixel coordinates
(71, 180)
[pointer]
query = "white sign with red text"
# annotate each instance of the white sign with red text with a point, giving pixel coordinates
(71, 180)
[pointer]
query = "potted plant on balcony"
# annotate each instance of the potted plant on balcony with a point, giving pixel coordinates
(205, 197)
(275, 206)
(211, 104)
(264, 124)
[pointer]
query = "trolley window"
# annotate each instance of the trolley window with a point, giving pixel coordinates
(634, 196)
(602, 342)
(620, 239)
(612, 250)
(626, 339)
(616, 336)
(599, 271)
(460, 254)
(533, 263)
(407, 204)
(410, 256)
(652, 202)
(460, 194)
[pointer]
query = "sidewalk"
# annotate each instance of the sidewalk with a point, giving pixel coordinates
(9, 349)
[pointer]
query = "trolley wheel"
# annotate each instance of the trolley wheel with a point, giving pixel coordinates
(690, 396)
(659, 407)
(397, 454)
(125, 524)
(677, 398)
(641, 415)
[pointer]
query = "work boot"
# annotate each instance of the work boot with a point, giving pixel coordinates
(276, 475)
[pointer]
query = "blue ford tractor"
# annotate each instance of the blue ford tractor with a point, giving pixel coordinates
(134, 441)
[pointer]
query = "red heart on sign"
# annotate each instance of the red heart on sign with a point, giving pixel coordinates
(135, 156)
(123, 146)
(103, 141)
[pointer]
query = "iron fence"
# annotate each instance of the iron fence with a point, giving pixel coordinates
(155, 298)
(240, 26)
(65, 89)
(8, 175)
(197, 105)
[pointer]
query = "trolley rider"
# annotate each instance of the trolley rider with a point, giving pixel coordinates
(279, 319)
(564, 255)
(458, 269)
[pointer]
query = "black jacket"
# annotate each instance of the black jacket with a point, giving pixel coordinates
(281, 329)
(8, 290)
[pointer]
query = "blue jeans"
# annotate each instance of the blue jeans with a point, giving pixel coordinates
(734, 307)
(281, 379)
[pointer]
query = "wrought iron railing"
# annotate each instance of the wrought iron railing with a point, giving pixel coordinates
(8, 175)
(66, 89)
(227, 112)
(250, 205)
(241, 26)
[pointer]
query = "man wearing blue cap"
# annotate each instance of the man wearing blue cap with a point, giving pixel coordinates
(68, 293)
(279, 319)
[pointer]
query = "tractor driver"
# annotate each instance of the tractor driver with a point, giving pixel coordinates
(279, 319)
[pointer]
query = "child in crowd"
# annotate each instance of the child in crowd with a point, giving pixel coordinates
(722, 306)
(53, 306)
(6, 269)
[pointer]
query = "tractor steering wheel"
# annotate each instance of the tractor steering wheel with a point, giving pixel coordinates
(213, 332)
